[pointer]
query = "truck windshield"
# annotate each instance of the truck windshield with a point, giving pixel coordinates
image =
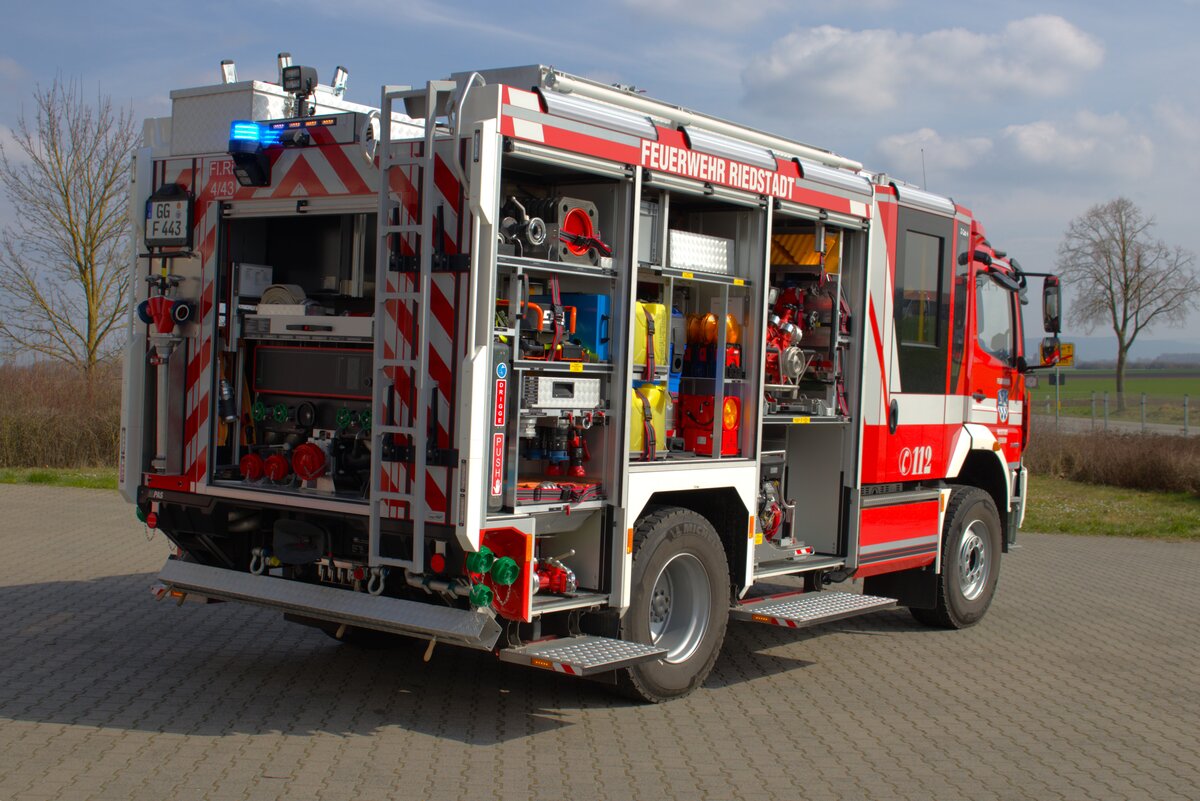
(993, 318)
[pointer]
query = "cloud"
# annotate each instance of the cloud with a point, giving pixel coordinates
(1087, 142)
(708, 13)
(10, 70)
(879, 69)
(722, 14)
(904, 151)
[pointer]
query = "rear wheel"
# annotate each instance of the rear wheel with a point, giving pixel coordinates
(679, 602)
(971, 543)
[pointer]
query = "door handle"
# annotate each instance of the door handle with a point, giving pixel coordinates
(893, 416)
(978, 396)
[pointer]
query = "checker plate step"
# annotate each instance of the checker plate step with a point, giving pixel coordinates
(809, 609)
(583, 655)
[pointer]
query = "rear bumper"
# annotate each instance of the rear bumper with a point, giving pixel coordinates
(457, 626)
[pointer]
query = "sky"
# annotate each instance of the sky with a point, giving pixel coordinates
(1026, 113)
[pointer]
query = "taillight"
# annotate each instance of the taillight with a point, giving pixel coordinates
(731, 413)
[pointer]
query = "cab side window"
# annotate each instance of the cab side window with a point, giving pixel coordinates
(922, 300)
(993, 318)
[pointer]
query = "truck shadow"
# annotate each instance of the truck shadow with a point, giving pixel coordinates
(103, 653)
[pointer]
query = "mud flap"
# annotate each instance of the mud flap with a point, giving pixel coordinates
(915, 588)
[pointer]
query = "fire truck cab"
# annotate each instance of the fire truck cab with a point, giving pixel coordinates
(522, 362)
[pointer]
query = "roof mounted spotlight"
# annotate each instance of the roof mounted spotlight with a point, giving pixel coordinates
(228, 71)
(284, 60)
(340, 76)
(301, 83)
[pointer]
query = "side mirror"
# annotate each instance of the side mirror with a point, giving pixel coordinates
(1050, 351)
(1052, 305)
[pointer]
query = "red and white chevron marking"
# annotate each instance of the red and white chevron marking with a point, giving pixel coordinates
(210, 182)
(443, 317)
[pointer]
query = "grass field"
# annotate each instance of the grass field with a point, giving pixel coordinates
(1164, 394)
(1058, 506)
(95, 478)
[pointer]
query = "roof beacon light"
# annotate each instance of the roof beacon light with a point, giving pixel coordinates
(247, 143)
(228, 71)
(340, 76)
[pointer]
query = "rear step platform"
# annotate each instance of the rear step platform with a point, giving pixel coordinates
(798, 610)
(458, 626)
(581, 656)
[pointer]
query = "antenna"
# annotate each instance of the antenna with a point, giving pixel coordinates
(924, 180)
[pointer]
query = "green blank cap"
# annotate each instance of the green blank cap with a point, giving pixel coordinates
(505, 571)
(481, 595)
(480, 561)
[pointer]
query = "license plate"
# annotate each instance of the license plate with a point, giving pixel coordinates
(167, 223)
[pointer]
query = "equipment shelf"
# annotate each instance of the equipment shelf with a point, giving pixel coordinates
(527, 264)
(563, 367)
(697, 277)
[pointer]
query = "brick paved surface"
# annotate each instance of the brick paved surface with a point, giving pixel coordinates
(1081, 683)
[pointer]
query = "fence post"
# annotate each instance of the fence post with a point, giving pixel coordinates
(1143, 412)
(1093, 410)
(1185, 414)
(1105, 411)
(1057, 395)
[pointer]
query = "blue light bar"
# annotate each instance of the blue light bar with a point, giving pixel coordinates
(246, 132)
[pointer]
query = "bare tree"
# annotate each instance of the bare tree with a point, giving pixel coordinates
(1123, 277)
(64, 261)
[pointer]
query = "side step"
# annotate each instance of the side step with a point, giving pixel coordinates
(581, 656)
(798, 610)
(458, 626)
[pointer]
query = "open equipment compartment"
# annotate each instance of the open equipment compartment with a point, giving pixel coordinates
(562, 266)
(700, 259)
(293, 384)
(811, 390)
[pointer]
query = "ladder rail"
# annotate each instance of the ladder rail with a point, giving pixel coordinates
(379, 385)
(416, 361)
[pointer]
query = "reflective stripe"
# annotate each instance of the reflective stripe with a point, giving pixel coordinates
(896, 545)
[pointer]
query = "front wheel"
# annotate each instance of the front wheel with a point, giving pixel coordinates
(679, 602)
(971, 543)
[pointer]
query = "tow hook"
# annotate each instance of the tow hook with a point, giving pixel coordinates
(261, 559)
(376, 582)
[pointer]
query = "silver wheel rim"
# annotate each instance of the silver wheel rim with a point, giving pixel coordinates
(973, 561)
(679, 607)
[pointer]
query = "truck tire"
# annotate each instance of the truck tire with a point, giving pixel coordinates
(679, 601)
(971, 544)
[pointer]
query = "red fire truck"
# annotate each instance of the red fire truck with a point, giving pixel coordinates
(523, 362)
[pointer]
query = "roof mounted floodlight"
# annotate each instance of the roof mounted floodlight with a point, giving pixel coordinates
(228, 71)
(301, 83)
(340, 76)
(284, 60)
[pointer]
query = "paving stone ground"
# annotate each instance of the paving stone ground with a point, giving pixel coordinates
(1081, 683)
